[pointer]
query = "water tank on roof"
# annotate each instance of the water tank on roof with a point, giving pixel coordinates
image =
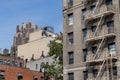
(49, 29)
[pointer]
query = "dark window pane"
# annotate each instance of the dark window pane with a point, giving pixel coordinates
(70, 38)
(70, 3)
(92, 8)
(84, 34)
(71, 76)
(84, 54)
(95, 72)
(94, 49)
(85, 75)
(84, 11)
(71, 57)
(93, 28)
(111, 47)
(110, 25)
(108, 2)
(115, 71)
(70, 19)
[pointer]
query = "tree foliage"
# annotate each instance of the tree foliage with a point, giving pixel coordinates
(55, 69)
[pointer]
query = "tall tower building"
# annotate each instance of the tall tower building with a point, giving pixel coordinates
(91, 39)
(22, 36)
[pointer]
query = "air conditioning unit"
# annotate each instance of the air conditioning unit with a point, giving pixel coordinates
(113, 53)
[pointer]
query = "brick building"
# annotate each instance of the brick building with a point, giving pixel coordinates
(7, 60)
(16, 73)
(91, 39)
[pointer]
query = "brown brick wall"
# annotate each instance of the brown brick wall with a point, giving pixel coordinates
(11, 73)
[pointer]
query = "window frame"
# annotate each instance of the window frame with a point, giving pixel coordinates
(84, 31)
(109, 2)
(85, 75)
(84, 12)
(71, 76)
(71, 38)
(85, 53)
(71, 57)
(70, 19)
(70, 3)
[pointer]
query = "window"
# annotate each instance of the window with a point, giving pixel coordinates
(36, 66)
(108, 2)
(111, 47)
(1, 61)
(5, 61)
(85, 75)
(21, 64)
(70, 19)
(92, 8)
(110, 25)
(115, 71)
(20, 76)
(85, 54)
(35, 78)
(71, 57)
(95, 73)
(13, 63)
(8, 62)
(42, 78)
(16, 63)
(94, 49)
(2, 75)
(93, 28)
(84, 11)
(70, 38)
(70, 3)
(71, 76)
(84, 33)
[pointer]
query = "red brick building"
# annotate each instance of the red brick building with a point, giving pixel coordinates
(12, 61)
(17, 73)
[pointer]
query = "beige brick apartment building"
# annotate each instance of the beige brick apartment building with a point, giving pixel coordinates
(31, 41)
(91, 42)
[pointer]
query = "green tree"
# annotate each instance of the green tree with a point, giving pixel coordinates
(55, 69)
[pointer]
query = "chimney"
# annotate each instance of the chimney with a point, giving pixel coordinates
(32, 57)
(17, 29)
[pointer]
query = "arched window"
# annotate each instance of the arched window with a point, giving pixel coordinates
(20, 76)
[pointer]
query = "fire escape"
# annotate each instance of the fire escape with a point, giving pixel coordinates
(105, 61)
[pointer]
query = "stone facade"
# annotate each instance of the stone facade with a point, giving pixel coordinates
(80, 39)
(37, 44)
(37, 64)
(30, 40)
(22, 36)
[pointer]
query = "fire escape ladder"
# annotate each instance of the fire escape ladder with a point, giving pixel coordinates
(101, 69)
(99, 24)
(111, 65)
(96, 55)
(97, 7)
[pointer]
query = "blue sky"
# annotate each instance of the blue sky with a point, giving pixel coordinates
(41, 12)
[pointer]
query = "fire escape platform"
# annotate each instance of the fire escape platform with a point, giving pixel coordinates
(100, 37)
(106, 13)
(101, 60)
